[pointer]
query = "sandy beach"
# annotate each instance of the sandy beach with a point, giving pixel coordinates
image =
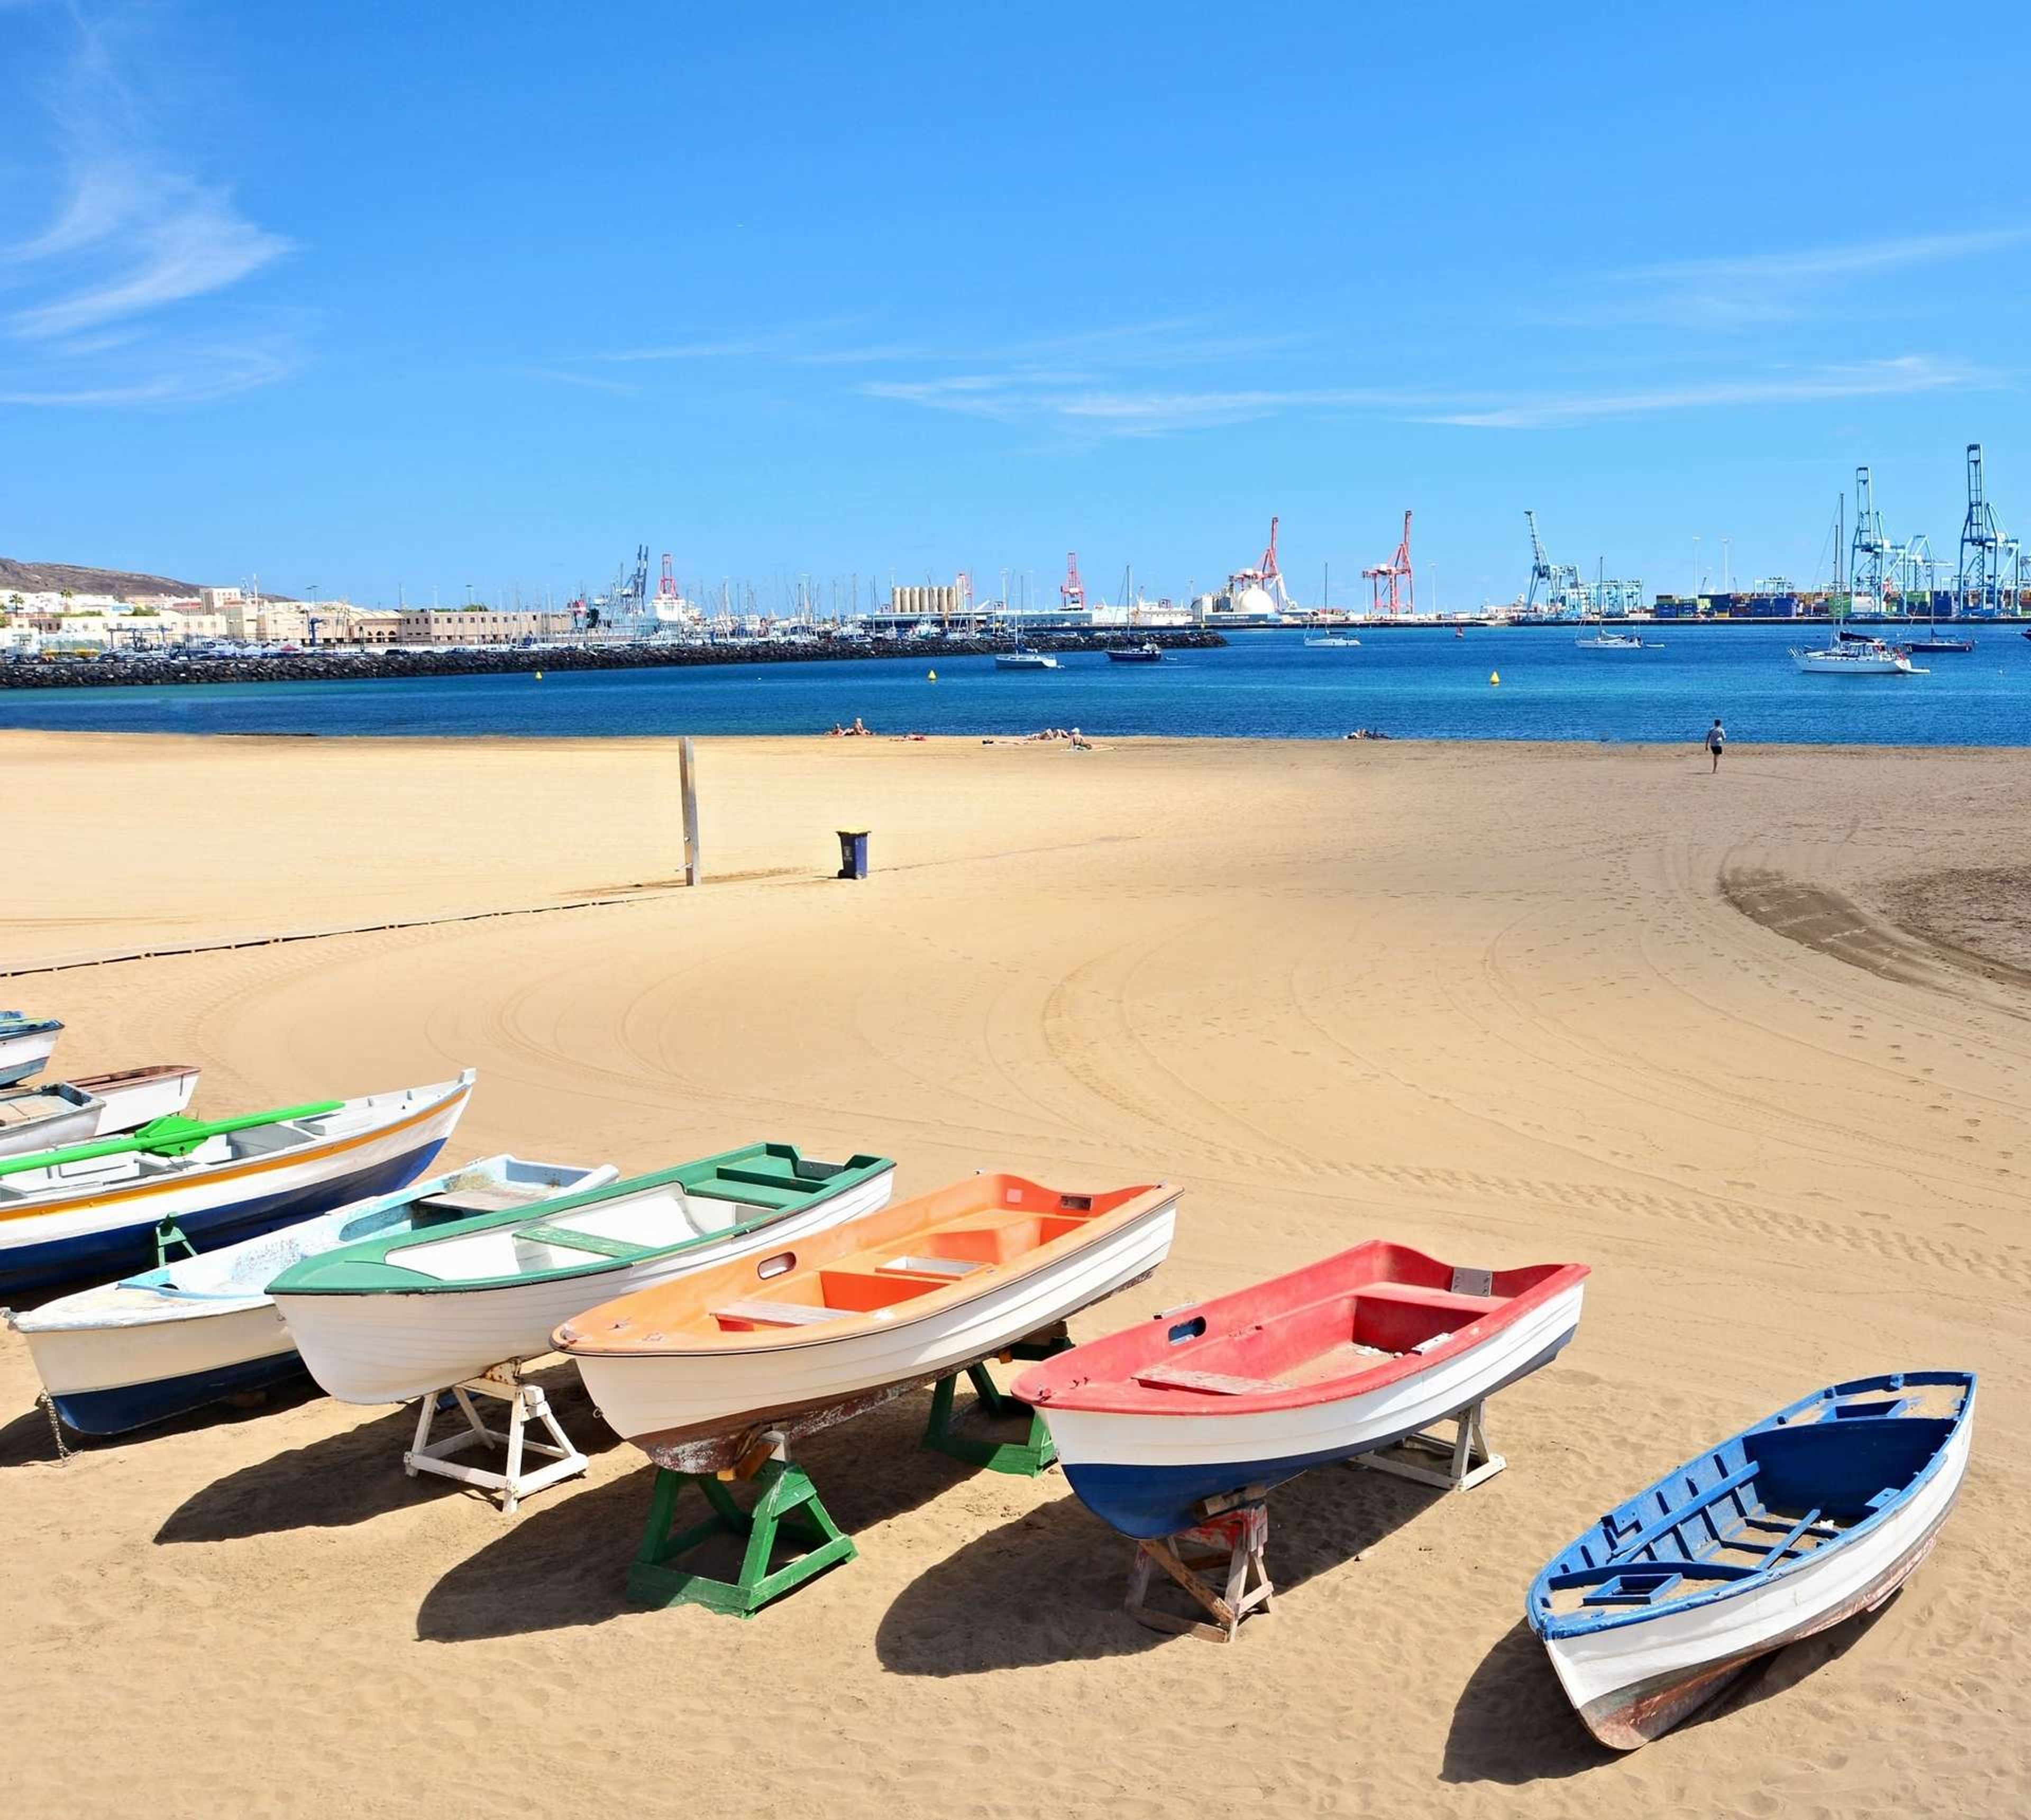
(1755, 1047)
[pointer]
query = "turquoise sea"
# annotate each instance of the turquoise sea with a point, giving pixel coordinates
(1424, 684)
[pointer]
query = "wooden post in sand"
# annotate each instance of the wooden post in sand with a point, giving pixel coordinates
(694, 860)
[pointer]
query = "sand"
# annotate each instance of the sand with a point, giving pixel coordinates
(1510, 1004)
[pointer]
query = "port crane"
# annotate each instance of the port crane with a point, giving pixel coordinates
(1871, 558)
(1071, 591)
(1984, 548)
(1383, 577)
(1559, 579)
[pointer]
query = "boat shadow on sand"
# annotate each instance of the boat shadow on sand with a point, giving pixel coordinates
(1049, 1587)
(26, 1441)
(565, 1564)
(1513, 1723)
(354, 1475)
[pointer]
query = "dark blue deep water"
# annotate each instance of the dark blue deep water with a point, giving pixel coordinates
(1420, 685)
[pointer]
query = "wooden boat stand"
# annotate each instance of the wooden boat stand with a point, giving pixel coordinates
(1462, 1462)
(788, 1505)
(1233, 1531)
(525, 1402)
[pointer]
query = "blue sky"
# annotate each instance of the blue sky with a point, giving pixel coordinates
(362, 295)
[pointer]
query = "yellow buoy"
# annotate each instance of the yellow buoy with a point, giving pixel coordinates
(539, 676)
(932, 677)
(1495, 679)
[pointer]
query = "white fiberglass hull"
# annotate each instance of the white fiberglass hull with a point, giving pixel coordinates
(388, 1346)
(91, 1223)
(1146, 1473)
(668, 1398)
(1631, 1682)
(125, 1354)
(1842, 664)
(24, 1053)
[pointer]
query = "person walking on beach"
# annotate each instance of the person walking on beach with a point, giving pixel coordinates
(1716, 739)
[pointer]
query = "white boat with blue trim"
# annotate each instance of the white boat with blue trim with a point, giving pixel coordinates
(1345, 1356)
(102, 1209)
(188, 1333)
(1817, 1512)
(26, 1044)
(54, 1113)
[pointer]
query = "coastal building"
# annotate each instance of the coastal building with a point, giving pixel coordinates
(477, 626)
(939, 603)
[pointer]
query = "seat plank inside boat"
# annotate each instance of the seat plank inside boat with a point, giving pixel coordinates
(737, 1315)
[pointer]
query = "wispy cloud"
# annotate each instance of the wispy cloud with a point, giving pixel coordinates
(133, 242)
(589, 381)
(1746, 290)
(1907, 373)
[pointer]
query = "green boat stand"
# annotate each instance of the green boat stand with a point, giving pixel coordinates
(1025, 1459)
(787, 1501)
(787, 1509)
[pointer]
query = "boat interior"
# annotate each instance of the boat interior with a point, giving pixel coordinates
(497, 1183)
(881, 1261)
(124, 1168)
(1766, 1499)
(627, 1222)
(903, 1265)
(1391, 1301)
(21, 1106)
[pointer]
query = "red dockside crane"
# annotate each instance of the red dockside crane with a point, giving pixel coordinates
(666, 588)
(1383, 599)
(1071, 591)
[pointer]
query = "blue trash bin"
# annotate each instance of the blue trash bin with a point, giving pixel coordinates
(853, 852)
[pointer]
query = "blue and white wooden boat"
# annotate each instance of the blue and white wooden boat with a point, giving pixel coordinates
(188, 1333)
(26, 1044)
(54, 1113)
(1817, 1512)
(119, 1204)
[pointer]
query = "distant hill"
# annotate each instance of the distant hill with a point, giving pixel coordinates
(52, 578)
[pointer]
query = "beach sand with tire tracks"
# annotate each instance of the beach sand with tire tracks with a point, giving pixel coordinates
(1755, 1046)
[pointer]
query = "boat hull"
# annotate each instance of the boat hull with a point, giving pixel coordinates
(107, 1383)
(113, 1233)
(24, 1053)
(664, 1402)
(1632, 1682)
(391, 1345)
(1146, 1475)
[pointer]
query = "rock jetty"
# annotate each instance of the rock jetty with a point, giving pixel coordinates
(360, 666)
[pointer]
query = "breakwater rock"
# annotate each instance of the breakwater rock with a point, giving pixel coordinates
(350, 666)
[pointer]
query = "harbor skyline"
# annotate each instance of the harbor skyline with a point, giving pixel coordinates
(804, 350)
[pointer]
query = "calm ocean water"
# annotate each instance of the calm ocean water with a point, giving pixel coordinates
(1420, 685)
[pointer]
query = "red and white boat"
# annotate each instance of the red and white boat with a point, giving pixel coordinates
(1341, 1358)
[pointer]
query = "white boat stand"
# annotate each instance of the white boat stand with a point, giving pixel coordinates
(1462, 1462)
(525, 1400)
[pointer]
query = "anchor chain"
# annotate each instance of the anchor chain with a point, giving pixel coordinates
(55, 1427)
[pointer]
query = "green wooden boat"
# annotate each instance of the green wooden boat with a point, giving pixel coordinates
(399, 1315)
